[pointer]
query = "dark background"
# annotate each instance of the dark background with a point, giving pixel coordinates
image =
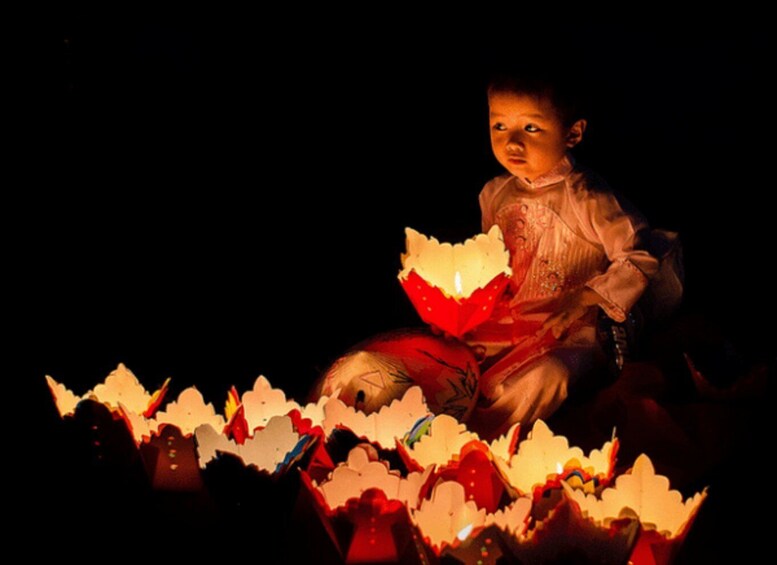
(217, 196)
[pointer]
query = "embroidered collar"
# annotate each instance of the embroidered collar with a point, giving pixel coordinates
(554, 175)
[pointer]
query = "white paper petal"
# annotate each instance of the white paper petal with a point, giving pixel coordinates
(447, 514)
(362, 472)
(382, 427)
(122, 386)
(445, 439)
(64, 398)
(189, 412)
(477, 261)
(645, 493)
(263, 402)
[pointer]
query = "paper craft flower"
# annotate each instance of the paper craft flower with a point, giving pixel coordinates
(263, 402)
(569, 508)
(121, 386)
(383, 427)
(663, 514)
(455, 287)
(189, 412)
(445, 439)
(442, 443)
(447, 515)
(377, 522)
(363, 471)
(544, 456)
(565, 536)
(267, 449)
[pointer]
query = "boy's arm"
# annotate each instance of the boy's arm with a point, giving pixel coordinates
(623, 235)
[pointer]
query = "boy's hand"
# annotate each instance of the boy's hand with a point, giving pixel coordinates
(572, 309)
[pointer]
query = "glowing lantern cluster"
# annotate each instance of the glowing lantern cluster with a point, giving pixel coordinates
(455, 287)
(414, 485)
(267, 450)
(383, 427)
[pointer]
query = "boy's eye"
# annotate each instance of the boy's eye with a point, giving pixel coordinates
(532, 128)
(500, 127)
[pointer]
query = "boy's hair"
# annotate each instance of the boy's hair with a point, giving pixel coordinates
(553, 83)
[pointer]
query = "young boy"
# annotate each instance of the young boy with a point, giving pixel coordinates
(575, 249)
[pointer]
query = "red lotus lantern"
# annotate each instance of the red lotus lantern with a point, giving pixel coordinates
(455, 287)
(664, 515)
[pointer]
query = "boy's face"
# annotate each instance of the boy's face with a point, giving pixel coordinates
(527, 136)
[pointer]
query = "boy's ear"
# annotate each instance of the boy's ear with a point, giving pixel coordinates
(575, 133)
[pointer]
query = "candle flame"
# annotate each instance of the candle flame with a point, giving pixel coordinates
(465, 532)
(457, 283)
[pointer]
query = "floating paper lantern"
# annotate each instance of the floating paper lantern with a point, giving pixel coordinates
(376, 519)
(492, 544)
(363, 508)
(370, 528)
(448, 516)
(189, 412)
(476, 473)
(664, 516)
(443, 442)
(362, 471)
(565, 536)
(455, 287)
(544, 457)
(448, 496)
(263, 402)
(445, 439)
(383, 427)
(267, 450)
(121, 386)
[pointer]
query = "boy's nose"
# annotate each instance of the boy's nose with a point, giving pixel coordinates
(515, 144)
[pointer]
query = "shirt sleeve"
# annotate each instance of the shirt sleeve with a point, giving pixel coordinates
(623, 234)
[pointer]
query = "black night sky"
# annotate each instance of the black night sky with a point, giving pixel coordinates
(216, 197)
